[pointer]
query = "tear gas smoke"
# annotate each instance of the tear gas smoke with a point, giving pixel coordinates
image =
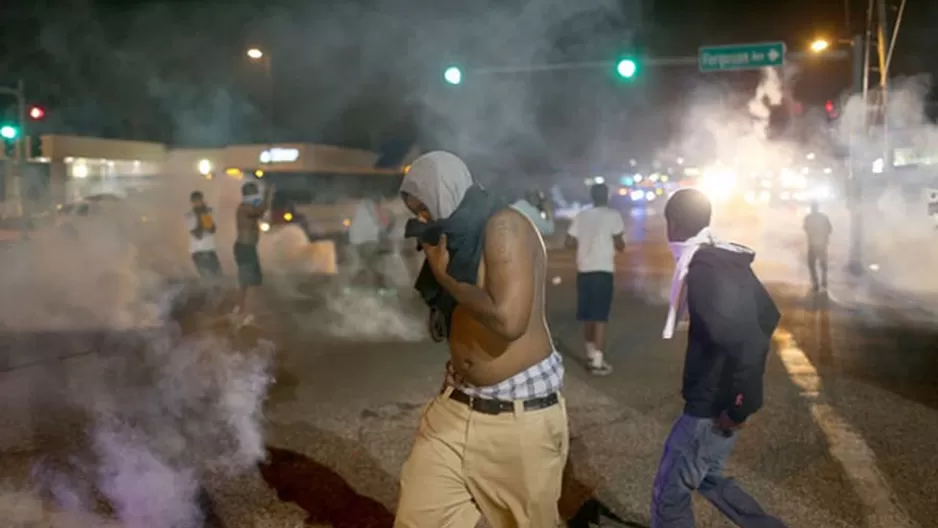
(370, 316)
(898, 234)
(147, 413)
(149, 405)
(768, 94)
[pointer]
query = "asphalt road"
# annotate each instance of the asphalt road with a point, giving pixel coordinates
(845, 439)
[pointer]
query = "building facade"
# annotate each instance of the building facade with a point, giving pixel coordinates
(71, 167)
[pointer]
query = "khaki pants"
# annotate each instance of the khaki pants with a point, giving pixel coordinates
(465, 464)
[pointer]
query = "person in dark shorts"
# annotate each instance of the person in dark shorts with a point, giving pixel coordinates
(249, 265)
(597, 234)
(201, 224)
(250, 211)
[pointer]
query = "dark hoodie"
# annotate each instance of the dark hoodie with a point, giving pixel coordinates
(732, 319)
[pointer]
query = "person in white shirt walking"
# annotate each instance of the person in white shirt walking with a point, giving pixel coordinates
(201, 225)
(597, 234)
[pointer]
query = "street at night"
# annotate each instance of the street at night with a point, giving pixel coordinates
(844, 438)
(279, 264)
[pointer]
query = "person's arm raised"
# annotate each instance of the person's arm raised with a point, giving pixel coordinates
(504, 305)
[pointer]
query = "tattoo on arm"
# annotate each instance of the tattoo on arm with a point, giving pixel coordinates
(504, 239)
(504, 304)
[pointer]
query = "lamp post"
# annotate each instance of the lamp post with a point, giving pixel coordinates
(257, 55)
(854, 176)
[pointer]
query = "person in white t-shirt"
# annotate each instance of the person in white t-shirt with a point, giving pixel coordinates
(201, 225)
(597, 234)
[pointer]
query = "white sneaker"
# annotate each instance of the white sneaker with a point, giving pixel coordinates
(597, 364)
(600, 369)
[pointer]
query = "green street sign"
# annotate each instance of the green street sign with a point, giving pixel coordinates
(741, 56)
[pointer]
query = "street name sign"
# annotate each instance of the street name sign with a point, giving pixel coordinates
(741, 56)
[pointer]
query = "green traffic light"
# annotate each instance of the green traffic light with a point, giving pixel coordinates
(452, 75)
(9, 132)
(626, 68)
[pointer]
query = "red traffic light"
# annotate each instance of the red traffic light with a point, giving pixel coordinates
(37, 113)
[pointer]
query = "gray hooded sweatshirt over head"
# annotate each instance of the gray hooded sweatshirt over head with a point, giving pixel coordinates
(439, 180)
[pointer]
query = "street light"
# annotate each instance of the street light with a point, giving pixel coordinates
(255, 54)
(820, 45)
(857, 55)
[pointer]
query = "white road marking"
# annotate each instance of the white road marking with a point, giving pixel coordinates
(845, 444)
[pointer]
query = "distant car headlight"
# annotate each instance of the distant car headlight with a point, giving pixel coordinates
(718, 184)
(265, 227)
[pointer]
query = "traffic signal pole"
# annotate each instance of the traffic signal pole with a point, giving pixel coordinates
(681, 60)
(13, 176)
(858, 55)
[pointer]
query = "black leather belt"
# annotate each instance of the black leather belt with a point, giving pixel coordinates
(490, 406)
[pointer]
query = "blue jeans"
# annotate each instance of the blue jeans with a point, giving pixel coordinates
(693, 459)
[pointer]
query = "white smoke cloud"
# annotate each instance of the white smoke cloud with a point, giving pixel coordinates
(899, 238)
(768, 94)
(92, 359)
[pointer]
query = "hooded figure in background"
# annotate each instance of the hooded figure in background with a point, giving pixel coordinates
(535, 205)
(455, 206)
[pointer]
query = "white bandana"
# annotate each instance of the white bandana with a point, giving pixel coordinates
(683, 255)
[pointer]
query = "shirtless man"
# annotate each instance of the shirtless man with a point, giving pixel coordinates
(252, 208)
(494, 442)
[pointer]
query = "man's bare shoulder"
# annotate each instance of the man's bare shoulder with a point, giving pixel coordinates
(247, 210)
(507, 233)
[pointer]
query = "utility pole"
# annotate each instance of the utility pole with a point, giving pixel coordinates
(859, 86)
(882, 34)
(877, 20)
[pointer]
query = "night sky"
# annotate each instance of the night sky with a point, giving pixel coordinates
(358, 72)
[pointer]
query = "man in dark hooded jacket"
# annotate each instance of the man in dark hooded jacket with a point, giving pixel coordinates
(732, 319)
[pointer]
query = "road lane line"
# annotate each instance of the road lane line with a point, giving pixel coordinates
(844, 444)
